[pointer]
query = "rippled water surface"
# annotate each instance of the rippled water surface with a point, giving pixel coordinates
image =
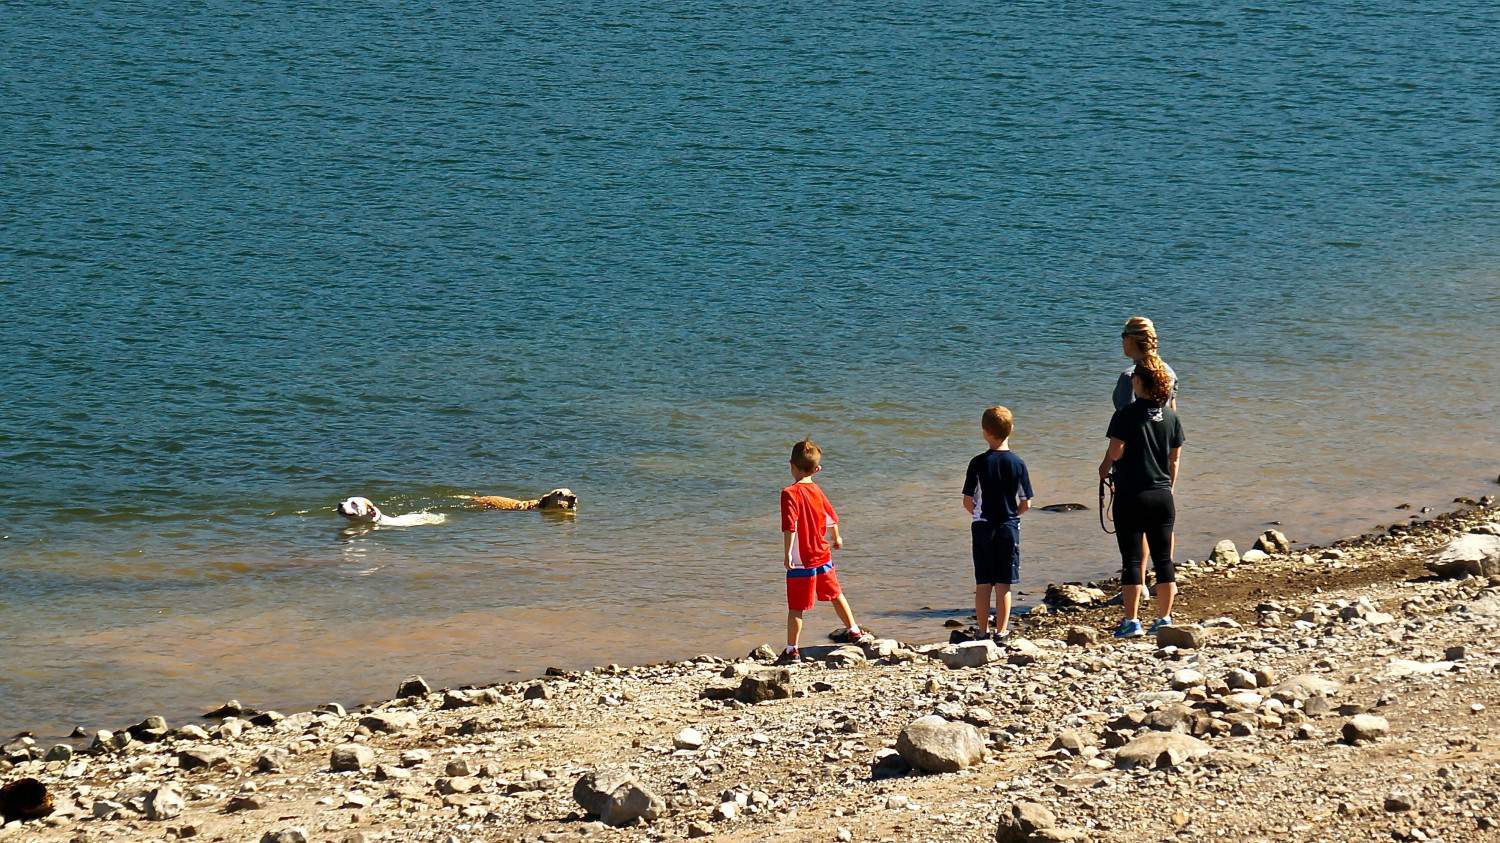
(255, 258)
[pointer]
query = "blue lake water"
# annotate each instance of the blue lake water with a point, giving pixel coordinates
(255, 258)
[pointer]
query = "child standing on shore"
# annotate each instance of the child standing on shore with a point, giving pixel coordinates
(806, 516)
(997, 491)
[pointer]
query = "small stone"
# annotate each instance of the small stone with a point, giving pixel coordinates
(394, 721)
(350, 757)
(969, 654)
(726, 811)
(1070, 740)
(538, 691)
(229, 709)
(461, 767)
(245, 802)
(689, 739)
(267, 718)
(164, 803)
(1241, 680)
(291, 834)
(412, 686)
(1082, 636)
(1273, 541)
(1023, 822)
(1455, 653)
(1365, 727)
(193, 732)
(1187, 678)
(1399, 802)
(697, 828)
(273, 760)
(150, 730)
(1185, 637)
(195, 757)
(1224, 553)
(887, 764)
(415, 757)
(60, 752)
(764, 685)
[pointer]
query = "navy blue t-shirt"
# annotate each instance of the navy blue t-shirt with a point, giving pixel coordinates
(995, 480)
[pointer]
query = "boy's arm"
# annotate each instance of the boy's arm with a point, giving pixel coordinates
(969, 504)
(1023, 506)
(1174, 459)
(786, 548)
(838, 539)
(1112, 455)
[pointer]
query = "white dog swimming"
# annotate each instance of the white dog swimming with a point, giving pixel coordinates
(366, 512)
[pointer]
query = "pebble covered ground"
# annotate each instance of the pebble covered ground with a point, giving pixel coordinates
(1340, 693)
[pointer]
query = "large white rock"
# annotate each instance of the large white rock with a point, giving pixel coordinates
(969, 654)
(1224, 553)
(1161, 749)
(1305, 685)
(616, 798)
(940, 746)
(1471, 553)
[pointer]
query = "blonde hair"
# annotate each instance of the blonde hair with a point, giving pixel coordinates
(1143, 332)
(806, 455)
(998, 422)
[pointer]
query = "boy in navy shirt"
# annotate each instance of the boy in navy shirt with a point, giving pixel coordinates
(997, 490)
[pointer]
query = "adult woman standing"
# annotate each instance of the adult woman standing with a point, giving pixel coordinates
(1138, 341)
(1144, 454)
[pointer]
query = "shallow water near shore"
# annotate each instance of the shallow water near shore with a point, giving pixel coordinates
(258, 261)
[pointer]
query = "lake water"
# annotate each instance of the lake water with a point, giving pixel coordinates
(255, 258)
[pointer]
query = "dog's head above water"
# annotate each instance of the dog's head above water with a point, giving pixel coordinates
(358, 509)
(559, 499)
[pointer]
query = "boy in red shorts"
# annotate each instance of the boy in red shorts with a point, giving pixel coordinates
(806, 515)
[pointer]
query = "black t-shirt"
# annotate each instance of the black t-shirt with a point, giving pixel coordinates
(995, 480)
(1149, 433)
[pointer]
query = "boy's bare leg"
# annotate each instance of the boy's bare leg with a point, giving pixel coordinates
(1166, 592)
(845, 613)
(1130, 595)
(793, 627)
(982, 608)
(1002, 607)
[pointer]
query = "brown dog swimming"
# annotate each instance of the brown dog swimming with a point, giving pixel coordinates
(557, 500)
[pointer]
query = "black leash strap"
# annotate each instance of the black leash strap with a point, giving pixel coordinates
(1106, 508)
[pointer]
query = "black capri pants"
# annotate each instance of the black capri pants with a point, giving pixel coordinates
(1151, 513)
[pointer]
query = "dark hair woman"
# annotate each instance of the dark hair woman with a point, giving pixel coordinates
(1144, 453)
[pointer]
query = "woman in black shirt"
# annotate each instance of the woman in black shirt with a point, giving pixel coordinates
(1145, 449)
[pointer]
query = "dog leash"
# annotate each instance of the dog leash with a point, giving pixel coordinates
(1106, 509)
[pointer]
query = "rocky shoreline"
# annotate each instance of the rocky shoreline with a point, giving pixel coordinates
(1345, 692)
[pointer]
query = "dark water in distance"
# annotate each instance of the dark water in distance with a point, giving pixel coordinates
(255, 258)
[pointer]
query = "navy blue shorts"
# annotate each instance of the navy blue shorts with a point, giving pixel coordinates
(997, 552)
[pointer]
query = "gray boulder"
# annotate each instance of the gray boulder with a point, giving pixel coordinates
(164, 803)
(195, 757)
(616, 798)
(1273, 541)
(1304, 686)
(1472, 554)
(1185, 637)
(1161, 749)
(350, 757)
(1032, 822)
(969, 654)
(390, 721)
(936, 745)
(763, 685)
(1365, 727)
(413, 686)
(290, 834)
(1225, 553)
